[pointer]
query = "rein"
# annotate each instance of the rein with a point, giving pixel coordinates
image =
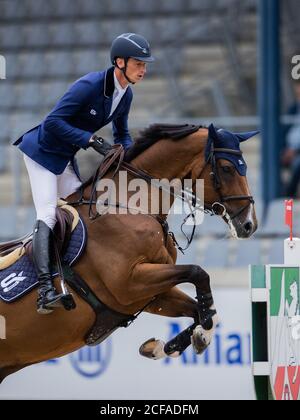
(116, 158)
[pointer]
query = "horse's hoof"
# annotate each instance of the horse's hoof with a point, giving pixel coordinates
(153, 349)
(174, 354)
(199, 340)
(202, 338)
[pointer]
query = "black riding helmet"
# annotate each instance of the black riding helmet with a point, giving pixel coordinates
(130, 45)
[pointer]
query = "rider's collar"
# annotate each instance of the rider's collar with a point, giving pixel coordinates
(109, 83)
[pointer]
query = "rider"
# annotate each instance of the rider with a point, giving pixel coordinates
(92, 102)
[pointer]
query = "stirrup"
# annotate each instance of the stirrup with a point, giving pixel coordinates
(42, 310)
(46, 307)
(62, 300)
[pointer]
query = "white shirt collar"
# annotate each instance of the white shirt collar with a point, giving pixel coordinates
(118, 86)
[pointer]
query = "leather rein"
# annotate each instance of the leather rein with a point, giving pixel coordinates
(116, 158)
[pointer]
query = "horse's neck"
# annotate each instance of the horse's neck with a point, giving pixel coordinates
(171, 160)
(166, 160)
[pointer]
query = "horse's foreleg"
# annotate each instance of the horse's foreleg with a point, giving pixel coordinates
(174, 303)
(149, 280)
(154, 277)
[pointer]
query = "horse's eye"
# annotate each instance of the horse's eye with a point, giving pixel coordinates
(227, 169)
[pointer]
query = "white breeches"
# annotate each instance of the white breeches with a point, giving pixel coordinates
(47, 188)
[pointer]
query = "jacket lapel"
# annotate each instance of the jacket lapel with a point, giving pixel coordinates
(109, 87)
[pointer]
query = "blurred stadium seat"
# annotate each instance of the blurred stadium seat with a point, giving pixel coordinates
(86, 61)
(29, 95)
(34, 35)
(31, 64)
(61, 34)
(212, 226)
(8, 227)
(190, 256)
(38, 8)
(8, 94)
(52, 91)
(274, 224)
(11, 36)
(216, 254)
(248, 252)
(12, 9)
(275, 252)
(58, 64)
(3, 158)
(61, 8)
(27, 217)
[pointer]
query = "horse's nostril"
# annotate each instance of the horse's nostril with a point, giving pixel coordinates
(248, 227)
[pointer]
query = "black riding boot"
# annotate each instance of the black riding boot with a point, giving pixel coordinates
(41, 243)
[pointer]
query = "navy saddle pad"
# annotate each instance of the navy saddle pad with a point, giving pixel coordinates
(20, 278)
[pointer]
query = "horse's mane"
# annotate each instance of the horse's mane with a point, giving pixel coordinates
(150, 136)
(156, 132)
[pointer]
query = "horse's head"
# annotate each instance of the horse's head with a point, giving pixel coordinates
(226, 188)
(212, 155)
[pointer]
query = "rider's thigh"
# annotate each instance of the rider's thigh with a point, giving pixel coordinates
(67, 182)
(44, 191)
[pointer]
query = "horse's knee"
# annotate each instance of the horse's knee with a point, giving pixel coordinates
(201, 280)
(199, 276)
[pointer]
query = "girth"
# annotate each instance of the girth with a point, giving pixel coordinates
(107, 320)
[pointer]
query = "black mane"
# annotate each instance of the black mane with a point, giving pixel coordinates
(150, 136)
(155, 132)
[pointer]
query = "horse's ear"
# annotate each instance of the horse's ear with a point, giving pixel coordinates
(245, 136)
(212, 132)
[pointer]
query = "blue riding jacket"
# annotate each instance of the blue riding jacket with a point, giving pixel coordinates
(82, 111)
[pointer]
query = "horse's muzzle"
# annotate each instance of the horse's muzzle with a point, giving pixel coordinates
(246, 229)
(249, 228)
(245, 224)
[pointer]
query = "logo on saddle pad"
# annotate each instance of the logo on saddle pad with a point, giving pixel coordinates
(11, 281)
(284, 338)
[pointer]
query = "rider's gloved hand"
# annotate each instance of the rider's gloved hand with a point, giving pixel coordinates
(100, 145)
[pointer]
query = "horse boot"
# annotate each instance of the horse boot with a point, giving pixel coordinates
(48, 298)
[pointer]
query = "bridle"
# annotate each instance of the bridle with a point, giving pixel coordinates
(215, 176)
(213, 209)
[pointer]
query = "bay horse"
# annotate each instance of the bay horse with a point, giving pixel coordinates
(129, 263)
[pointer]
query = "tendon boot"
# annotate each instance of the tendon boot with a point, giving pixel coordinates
(48, 298)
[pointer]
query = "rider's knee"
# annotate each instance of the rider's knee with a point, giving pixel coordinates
(48, 216)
